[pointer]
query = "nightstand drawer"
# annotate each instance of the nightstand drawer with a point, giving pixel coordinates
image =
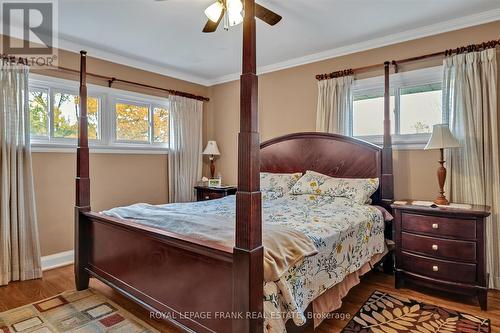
(210, 195)
(439, 269)
(204, 193)
(439, 247)
(439, 226)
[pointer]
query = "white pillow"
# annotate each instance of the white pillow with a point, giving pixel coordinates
(275, 185)
(356, 189)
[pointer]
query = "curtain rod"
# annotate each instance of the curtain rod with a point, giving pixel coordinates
(110, 80)
(449, 52)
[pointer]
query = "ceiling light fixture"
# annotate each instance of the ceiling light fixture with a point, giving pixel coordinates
(214, 11)
(234, 9)
(229, 10)
(230, 13)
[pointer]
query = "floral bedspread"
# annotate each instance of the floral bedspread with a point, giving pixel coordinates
(346, 235)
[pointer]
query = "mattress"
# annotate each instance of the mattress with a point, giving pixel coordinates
(347, 236)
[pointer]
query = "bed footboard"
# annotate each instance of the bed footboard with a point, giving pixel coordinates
(184, 281)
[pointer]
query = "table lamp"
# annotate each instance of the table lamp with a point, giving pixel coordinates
(441, 138)
(212, 150)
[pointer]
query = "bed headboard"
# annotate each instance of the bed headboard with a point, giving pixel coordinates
(330, 154)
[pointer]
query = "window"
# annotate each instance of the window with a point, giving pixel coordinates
(117, 119)
(141, 123)
(58, 119)
(160, 125)
(132, 122)
(39, 112)
(420, 108)
(65, 116)
(367, 119)
(415, 107)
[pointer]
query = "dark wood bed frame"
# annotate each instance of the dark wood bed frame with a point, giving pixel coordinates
(196, 285)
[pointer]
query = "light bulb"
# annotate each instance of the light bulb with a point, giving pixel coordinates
(214, 11)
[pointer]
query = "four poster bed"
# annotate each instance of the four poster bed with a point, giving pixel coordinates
(201, 285)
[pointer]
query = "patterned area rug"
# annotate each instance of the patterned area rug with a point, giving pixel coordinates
(387, 313)
(80, 312)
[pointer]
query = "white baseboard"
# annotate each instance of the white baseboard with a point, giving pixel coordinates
(58, 260)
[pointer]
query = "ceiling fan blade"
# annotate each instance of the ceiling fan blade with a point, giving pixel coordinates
(267, 15)
(212, 26)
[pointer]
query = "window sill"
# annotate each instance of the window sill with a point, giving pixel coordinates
(400, 142)
(97, 149)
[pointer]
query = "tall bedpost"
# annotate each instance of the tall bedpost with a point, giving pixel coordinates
(82, 200)
(387, 190)
(248, 253)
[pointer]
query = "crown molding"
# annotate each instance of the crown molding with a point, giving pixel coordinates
(93, 52)
(429, 30)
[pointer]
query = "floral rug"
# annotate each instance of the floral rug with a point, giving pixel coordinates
(388, 313)
(79, 312)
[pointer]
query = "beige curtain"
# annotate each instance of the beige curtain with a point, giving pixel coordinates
(470, 107)
(19, 245)
(335, 105)
(184, 157)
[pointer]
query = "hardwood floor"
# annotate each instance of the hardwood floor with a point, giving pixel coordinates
(61, 279)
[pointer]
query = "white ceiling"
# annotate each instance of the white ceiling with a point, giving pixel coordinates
(166, 37)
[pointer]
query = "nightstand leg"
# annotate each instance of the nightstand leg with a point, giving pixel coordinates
(399, 280)
(482, 296)
(388, 263)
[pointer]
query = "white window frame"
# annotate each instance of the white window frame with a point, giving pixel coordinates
(106, 142)
(135, 102)
(431, 75)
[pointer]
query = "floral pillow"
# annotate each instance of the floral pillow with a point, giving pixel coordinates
(355, 189)
(275, 185)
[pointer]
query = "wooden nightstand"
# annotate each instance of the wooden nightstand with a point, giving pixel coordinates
(442, 248)
(209, 193)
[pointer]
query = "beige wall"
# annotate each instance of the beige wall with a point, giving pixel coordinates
(116, 179)
(288, 98)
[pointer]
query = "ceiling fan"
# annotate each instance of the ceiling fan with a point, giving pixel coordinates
(231, 13)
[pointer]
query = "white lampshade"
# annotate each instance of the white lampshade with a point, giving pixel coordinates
(211, 148)
(234, 9)
(214, 11)
(234, 19)
(235, 6)
(442, 138)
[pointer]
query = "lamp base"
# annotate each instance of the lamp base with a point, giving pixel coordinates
(441, 200)
(212, 167)
(441, 173)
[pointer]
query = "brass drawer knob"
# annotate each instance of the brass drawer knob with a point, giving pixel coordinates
(435, 226)
(435, 247)
(435, 268)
